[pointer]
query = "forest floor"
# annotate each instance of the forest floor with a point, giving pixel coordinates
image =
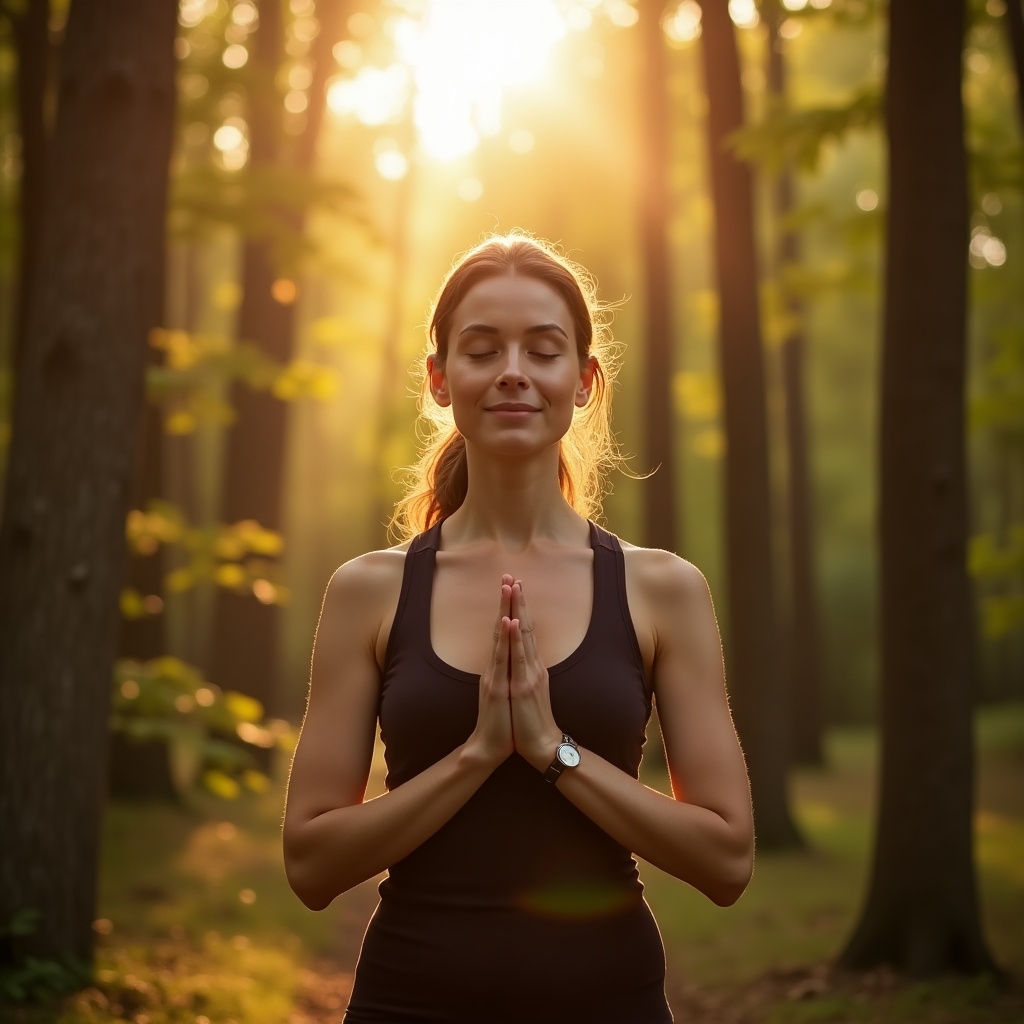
(197, 925)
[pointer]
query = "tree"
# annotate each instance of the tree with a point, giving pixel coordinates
(803, 649)
(661, 518)
(921, 913)
(1015, 36)
(75, 422)
(759, 696)
(245, 637)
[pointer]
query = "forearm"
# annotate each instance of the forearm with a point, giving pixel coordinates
(342, 847)
(693, 843)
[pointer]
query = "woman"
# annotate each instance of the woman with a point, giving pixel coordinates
(511, 651)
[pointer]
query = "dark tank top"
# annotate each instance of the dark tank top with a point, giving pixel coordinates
(519, 909)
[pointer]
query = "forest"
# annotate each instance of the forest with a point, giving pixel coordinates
(222, 225)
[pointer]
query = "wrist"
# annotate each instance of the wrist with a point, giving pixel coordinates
(547, 754)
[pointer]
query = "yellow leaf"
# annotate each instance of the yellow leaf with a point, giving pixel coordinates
(230, 575)
(256, 781)
(132, 606)
(242, 707)
(221, 785)
(179, 580)
(179, 422)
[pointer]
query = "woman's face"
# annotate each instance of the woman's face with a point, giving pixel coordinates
(512, 375)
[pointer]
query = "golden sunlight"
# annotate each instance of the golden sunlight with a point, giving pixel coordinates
(456, 62)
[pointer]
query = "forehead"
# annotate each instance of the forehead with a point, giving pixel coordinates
(510, 301)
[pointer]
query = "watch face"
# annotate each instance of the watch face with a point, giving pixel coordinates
(568, 755)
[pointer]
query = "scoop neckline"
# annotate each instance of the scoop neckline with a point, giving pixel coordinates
(469, 677)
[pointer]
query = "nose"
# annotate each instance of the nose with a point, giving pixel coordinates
(511, 375)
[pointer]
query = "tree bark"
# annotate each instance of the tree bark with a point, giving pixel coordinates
(661, 518)
(803, 649)
(245, 650)
(760, 698)
(1015, 36)
(141, 769)
(32, 38)
(921, 914)
(75, 422)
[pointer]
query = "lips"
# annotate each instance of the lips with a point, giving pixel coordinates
(512, 407)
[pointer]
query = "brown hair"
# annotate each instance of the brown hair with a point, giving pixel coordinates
(439, 480)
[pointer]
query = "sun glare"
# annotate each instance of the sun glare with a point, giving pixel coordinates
(456, 62)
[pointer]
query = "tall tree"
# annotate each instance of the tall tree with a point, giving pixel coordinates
(75, 420)
(32, 39)
(803, 632)
(1015, 36)
(244, 656)
(921, 913)
(661, 517)
(757, 686)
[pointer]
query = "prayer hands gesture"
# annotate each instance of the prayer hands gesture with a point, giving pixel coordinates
(514, 712)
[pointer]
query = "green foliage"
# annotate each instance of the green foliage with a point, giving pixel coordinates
(190, 383)
(263, 203)
(797, 137)
(30, 979)
(1001, 564)
(213, 731)
(240, 556)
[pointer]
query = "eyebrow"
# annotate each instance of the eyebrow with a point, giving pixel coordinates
(487, 329)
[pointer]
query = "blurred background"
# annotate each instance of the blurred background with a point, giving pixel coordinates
(330, 158)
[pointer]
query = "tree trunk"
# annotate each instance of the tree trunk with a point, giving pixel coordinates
(921, 914)
(75, 421)
(759, 696)
(32, 38)
(141, 769)
(803, 632)
(1015, 34)
(661, 518)
(245, 649)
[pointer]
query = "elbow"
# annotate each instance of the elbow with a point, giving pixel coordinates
(732, 882)
(311, 897)
(303, 877)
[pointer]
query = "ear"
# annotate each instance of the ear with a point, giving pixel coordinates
(586, 384)
(438, 382)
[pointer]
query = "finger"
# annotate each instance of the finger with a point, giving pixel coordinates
(526, 622)
(517, 651)
(504, 606)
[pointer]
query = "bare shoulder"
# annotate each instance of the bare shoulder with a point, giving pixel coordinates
(368, 577)
(362, 597)
(662, 577)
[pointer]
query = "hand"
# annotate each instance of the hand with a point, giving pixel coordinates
(491, 740)
(533, 725)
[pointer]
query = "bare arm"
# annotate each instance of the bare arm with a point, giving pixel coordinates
(703, 834)
(332, 838)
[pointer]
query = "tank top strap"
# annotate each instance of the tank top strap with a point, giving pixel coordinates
(411, 628)
(611, 606)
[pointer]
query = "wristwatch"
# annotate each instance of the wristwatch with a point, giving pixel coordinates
(567, 755)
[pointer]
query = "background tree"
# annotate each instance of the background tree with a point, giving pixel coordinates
(75, 421)
(759, 695)
(35, 58)
(246, 635)
(802, 626)
(921, 913)
(662, 523)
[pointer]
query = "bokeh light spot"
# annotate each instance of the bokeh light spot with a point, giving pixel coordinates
(867, 199)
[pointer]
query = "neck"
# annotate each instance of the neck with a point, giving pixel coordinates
(513, 502)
